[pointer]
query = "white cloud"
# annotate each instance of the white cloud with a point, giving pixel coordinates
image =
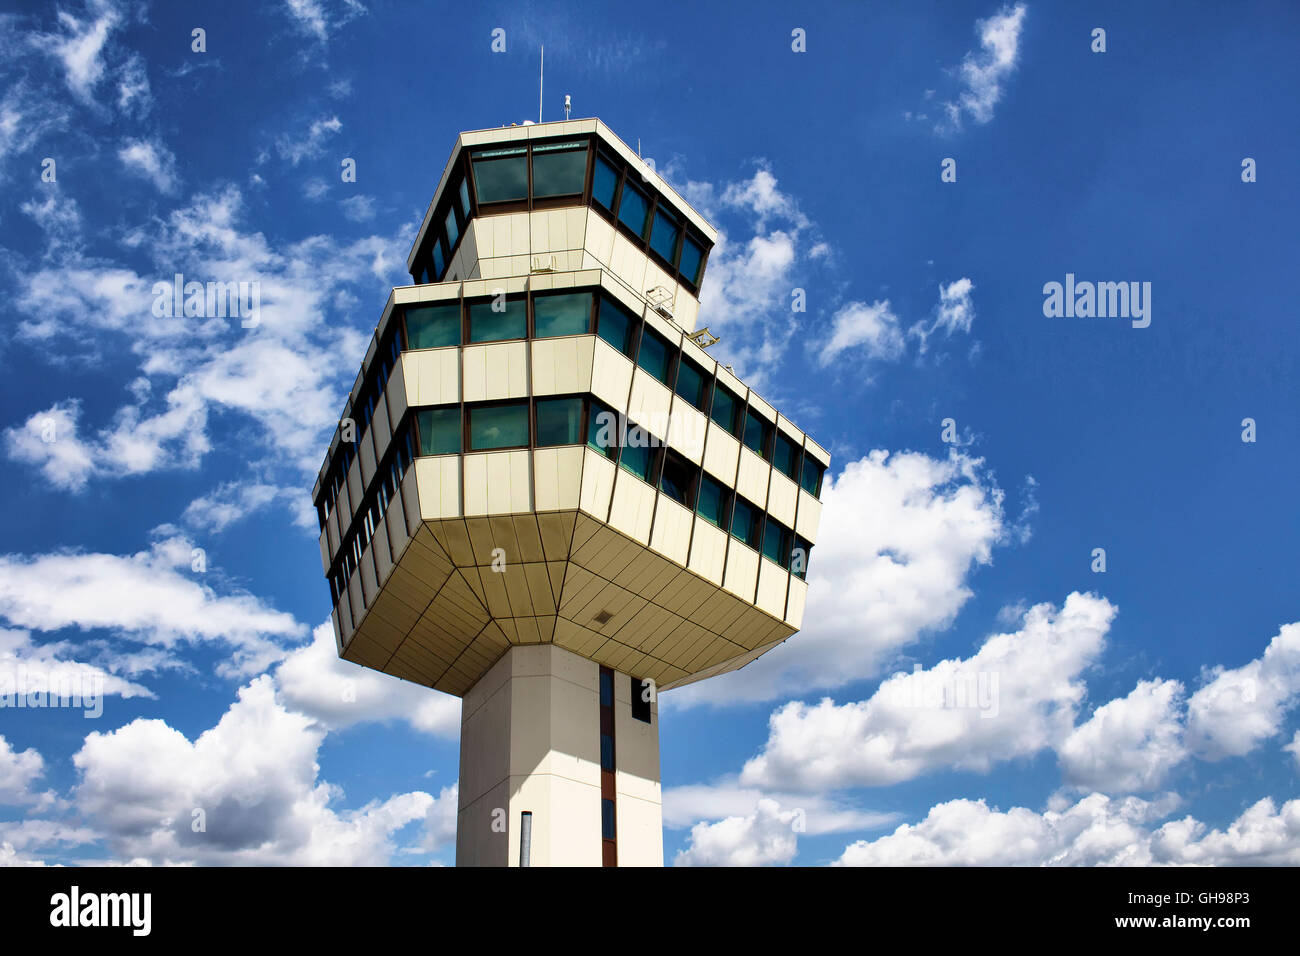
(314, 18)
(1021, 692)
(49, 441)
(79, 46)
(234, 501)
(763, 838)
(144, 597)
(133, 93)
(310, 145)
(358, 208)
(59, 217)
(27, 667)
(1098, 830)
(984, 73)
(1240, 708)
(1293, 748)
(19, 771)
(954, 313)
(686, 805)
(873, 327)
(153, 161)
(899, 536)
(338, 694)
(1129, 744)
(254, 780)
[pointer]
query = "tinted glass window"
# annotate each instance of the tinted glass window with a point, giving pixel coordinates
(614, 325)
(756, 429)
(439, 262)
(713, 501)
(654, 355)
(568, 314)
(464, 200)
(439, 430)
(559, 169)
(641, 694)
(452, 232)
(636, 454)
(606, 689)
(606, 752)
(559, 421)
(634, 209)
(775, 547)
(692, 256)
(799, 557)
(691, 383)
(725, 408)
(498, 426)
(744, 522)
(604, 183)
(501, 175)
(785, 456)
(678, 479)
(602, 429)
(663, 238)
(607, 830)
(810, 478)
(433, 326)
(486, 324)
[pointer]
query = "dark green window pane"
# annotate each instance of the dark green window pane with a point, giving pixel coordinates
(559, 421)
(785, 457)
(663, 239)
(725, 409)
(439, 430)
(439, 261)
(501, 175)
(558, 171)
(615, 325)
(774, 544)
(756, 428)
(452, 232)
(677, 479)
(654, 356)
(690, 383)
(498, 426)
(636, 455)
(464, 200)
(433, 326)
(604, 183)
(713, 501)
(633, 210)
(568, 314)
(744, 522)
(602, 430)
(486, 324)
(810, 478)
(799, 558)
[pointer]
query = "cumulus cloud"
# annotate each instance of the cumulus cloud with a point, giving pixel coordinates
(763, 838)
(52, 667)
(874, 328)
(338, 694)
(151, 160)
(1129, 744)
(145, 597)
(19, 770)
(233, 501)
(79, 45)
(684, 806)
(984, 73)
(1239, 708)
(899, 535)
(1096, 831)
(1016, 696)
(244, 792)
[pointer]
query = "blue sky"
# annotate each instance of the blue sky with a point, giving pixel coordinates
(1143, 714)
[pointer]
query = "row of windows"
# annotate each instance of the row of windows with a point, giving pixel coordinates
(535, 175)
(578, 313)
(370, 513)
(575, 420)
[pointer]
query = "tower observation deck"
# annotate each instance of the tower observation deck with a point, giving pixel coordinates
(545, 498)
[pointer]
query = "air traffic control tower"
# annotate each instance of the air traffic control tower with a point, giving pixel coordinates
(547, 498)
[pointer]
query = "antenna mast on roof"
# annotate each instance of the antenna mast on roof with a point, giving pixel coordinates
(541, 77)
